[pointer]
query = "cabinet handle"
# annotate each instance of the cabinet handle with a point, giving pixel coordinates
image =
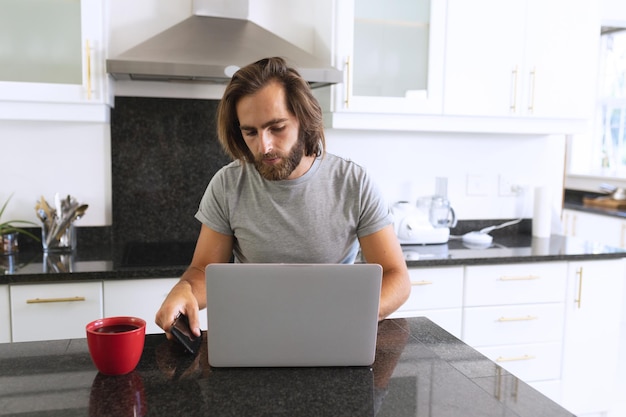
(524, 318)
(531, 102)
(54, 300)
(422, 282)
(513, 106)
(348, 83)
(519, 278)
(88, 67)
(515, 358)
(579, 273)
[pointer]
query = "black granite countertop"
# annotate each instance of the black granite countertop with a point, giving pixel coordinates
(170, 259)
(419, 370)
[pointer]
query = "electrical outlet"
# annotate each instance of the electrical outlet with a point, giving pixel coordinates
(506, 186)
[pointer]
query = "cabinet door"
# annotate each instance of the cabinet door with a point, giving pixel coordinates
(592, 332)
(5, 315)
(140, 298)
(484, 52)
(393, 56)
(513, 324)
(55, 68)
(515, 58)
(436, 293)
(561, 58)
(529, 362)
(54, 311)
(528, 283)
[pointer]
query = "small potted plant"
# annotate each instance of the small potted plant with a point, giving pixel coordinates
(9, 231)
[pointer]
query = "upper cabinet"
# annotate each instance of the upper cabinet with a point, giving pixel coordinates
(52, 60)
(521, 58)
(392, 55)
(501, 66)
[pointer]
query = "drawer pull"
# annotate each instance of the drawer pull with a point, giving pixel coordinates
(520, 278)
(515, 358)
(54, 300)
(525, 318)
(422, 282)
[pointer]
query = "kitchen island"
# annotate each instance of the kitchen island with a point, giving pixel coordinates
(420, 369)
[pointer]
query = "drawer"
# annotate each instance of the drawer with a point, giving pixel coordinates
(538, 282)
(140, 298)
(54, 311)
(433, 288)
(503, 325)
(530, 362)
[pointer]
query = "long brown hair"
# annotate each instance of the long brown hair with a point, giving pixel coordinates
(300, 102)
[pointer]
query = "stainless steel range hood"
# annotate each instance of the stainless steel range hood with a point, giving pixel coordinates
(205, 49)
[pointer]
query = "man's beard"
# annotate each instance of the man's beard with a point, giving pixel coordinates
(285, 167)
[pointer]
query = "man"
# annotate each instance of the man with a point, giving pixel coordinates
(284, 199)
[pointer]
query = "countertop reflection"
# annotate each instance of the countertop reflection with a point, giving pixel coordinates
(420, 369)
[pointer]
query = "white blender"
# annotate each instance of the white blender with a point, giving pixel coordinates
(426, 222)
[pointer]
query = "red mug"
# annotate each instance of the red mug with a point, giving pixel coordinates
(116, 343)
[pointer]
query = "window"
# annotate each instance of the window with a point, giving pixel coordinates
(611, 109)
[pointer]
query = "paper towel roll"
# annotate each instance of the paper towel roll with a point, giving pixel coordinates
(542, 213)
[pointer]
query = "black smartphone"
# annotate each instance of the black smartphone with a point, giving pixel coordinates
(182, 332)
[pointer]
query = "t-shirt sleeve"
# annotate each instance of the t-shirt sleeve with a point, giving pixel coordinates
(375, 213)
(213, 208)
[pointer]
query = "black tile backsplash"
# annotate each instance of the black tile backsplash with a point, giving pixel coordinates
(164, 153)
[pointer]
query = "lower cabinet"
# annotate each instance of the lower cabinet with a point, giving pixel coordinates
(514, 314)
(140, 298)
(53, 311)
(5, 315)
(436, 293)
(554, 325)
(592, 335)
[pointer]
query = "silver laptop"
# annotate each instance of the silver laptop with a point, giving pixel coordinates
(292, 314)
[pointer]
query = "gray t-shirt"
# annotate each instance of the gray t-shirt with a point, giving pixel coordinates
(315, 218)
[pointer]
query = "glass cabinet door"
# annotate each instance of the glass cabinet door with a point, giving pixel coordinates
(390, 48)
(393, 56)
(52, 59)
(41, 41)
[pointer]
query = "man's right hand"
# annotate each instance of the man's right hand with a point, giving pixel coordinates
(180, 300)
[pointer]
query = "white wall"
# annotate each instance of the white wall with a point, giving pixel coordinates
(405, 165)
(43, 158)
(613, 12)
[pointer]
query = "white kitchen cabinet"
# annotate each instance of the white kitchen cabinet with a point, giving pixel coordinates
(599, 228)
(53, 66)
(140, 298)
(392, 55)
(521, 58)
(514, 314)
(54, 311)
(528, 361)
(436, 293)
(5, 315)
(592, 333)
